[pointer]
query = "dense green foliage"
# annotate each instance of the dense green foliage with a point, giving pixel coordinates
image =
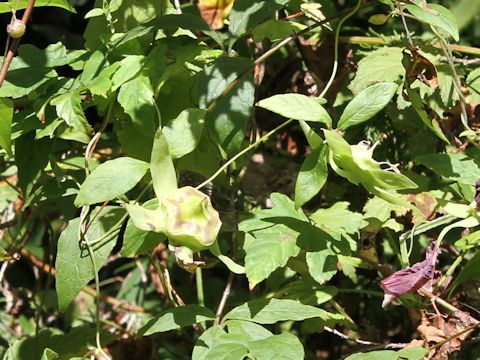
(174, 190)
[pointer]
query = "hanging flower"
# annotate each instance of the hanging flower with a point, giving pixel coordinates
(410, 279)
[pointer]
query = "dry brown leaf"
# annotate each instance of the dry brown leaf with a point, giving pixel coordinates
(215, 11)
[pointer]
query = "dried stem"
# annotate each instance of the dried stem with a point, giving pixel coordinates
(372, 40)
(120, 304)
(460, 333)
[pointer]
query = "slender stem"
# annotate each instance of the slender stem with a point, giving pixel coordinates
(372, 40)
(337, 35)
(199, 283)
(97, 300)
(119, 223)
(407, 32)
(200, 293)
(449, 272)
(442, 220)
(456, 80)
(223, 300)
(244, 151)
(435, 298)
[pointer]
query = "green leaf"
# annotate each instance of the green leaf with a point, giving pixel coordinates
(6, 7)
(129, 67)
(209, 339)
(93, 67)
(227, 121)
(298, 107)
(4, 255)
(101, 84)
(468, 242)
(246, 14)
(465, 12)
(413, 353)
(470, 271)
(94, 13)
(460, 167)
(277, 347)
(184, 132)
(228, 351)
(169, 22)
(31, 158)
(322, 265)
(419, 106)
(369, 102)
(146, 219)
(163, 172)
(229, 263)
(312, 176)
(473, 84)
(49, 354)
(314, 140)
(69, 108)
(308, 292)
(275, 30)
(76, 342)
(136, 98)
(73, 264)
(110, 180)
(374, 355)
(382, 65)
(21, 80)
(176, 318)
(271, 311)
(248, 330)
(270, 250)
(339, 219)
(410, 353)
(137, 241)
(436, 16)
(6, 115)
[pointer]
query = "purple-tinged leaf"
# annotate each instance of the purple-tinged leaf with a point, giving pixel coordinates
(410, 279)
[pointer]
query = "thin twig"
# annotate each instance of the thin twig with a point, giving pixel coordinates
(7, 60)
(223, 300)
(460, 333)
(337, 35)
(445, 304)
(8, 224)
(456, 80)
(364, 342)
(120, 304)
(244, 151)
(372, 40)
(407, 32)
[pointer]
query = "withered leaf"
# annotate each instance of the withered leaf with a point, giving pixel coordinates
(410, 279)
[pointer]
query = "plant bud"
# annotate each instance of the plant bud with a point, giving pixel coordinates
(378, 19)
(16, 28)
